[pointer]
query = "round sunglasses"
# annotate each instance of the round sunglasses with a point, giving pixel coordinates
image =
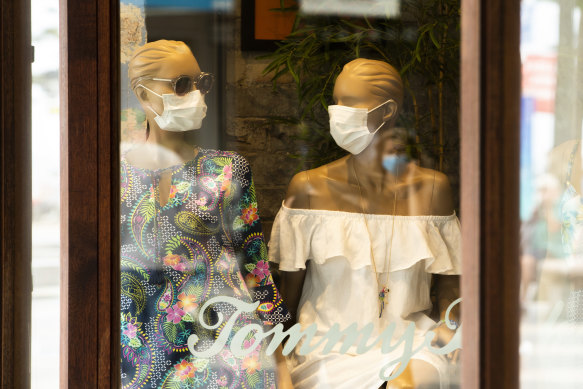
(184, 84)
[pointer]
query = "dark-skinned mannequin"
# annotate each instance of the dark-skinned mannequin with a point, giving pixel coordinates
(169, 149)
(418, 190)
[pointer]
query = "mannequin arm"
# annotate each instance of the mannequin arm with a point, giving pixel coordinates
(283, 377)
(447, 291)
(292, 284)
(442, 198)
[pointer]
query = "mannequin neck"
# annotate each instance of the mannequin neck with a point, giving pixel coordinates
(373, 177)
(161, 150)
(174, 142)
(371, 173)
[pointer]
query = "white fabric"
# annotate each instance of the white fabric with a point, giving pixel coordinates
(340, 285)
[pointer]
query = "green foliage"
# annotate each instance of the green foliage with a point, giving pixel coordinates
(193, 224)
(191, 289)
(222, 161)
(127, 264)
(173, 244)
(173, 382)
(147, 208)
(253, 379)
(170, 331)
(423, 43)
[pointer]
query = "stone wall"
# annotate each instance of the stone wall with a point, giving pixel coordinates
(267, 145)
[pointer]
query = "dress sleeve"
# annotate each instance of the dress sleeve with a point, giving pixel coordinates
(247, 239)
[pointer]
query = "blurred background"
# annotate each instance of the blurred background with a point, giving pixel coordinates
(45, 194)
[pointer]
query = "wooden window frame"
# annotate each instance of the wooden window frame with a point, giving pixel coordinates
(15, 192)
(90, 117)
(490, 118)
(490, 141)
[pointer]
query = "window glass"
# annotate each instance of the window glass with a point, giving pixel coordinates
(551, 289)
(45, 195)
(290, 170)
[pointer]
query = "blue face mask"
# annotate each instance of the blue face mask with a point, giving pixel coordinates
(395, 164)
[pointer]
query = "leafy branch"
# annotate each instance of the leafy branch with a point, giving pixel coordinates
(423, 43)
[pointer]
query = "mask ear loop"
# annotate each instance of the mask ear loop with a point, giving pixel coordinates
(378, 106)
(150, 90)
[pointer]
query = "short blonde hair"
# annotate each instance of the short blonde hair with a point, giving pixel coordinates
(384, 80)
(148, 59)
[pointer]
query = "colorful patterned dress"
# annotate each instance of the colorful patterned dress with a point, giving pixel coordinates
(206, 241)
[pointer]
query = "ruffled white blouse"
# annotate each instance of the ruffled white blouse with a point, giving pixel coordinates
(340, 285)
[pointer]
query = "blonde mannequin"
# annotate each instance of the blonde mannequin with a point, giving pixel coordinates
(189, 231)
(412, 191)
(163, 59)
(332, 186)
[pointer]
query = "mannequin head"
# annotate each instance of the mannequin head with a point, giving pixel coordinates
(160, 59)
(367, 83)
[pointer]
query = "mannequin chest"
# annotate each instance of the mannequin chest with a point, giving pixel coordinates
(409, 199)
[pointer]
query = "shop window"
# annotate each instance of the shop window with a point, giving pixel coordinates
(318, 180)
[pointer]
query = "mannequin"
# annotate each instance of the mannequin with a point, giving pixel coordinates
(560, 268)
(376, 179)
(190, 232)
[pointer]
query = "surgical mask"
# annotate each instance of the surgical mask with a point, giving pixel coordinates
(349, 127)
(395, 164)
(181, 113)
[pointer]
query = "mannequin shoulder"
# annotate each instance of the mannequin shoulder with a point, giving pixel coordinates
(298, 191)
(314, 184)
(439, 189)
(558, 157)
(430, 176)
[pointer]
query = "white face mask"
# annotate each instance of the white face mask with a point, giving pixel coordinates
(349, 127)
(181, 113)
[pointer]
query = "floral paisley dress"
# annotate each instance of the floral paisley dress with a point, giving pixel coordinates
(206, 241)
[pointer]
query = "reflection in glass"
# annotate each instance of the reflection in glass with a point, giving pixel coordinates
(551, 206)
(45, 195)
(376, 144)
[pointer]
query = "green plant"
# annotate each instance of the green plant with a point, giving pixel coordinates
(423, 43)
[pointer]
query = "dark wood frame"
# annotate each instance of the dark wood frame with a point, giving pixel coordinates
(90, 119)
(90, 229)
(15, 192)
(490, 122)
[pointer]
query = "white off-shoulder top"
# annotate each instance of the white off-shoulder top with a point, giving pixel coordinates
(340, 285)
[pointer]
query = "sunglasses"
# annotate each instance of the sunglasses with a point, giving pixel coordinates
(183, 85)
